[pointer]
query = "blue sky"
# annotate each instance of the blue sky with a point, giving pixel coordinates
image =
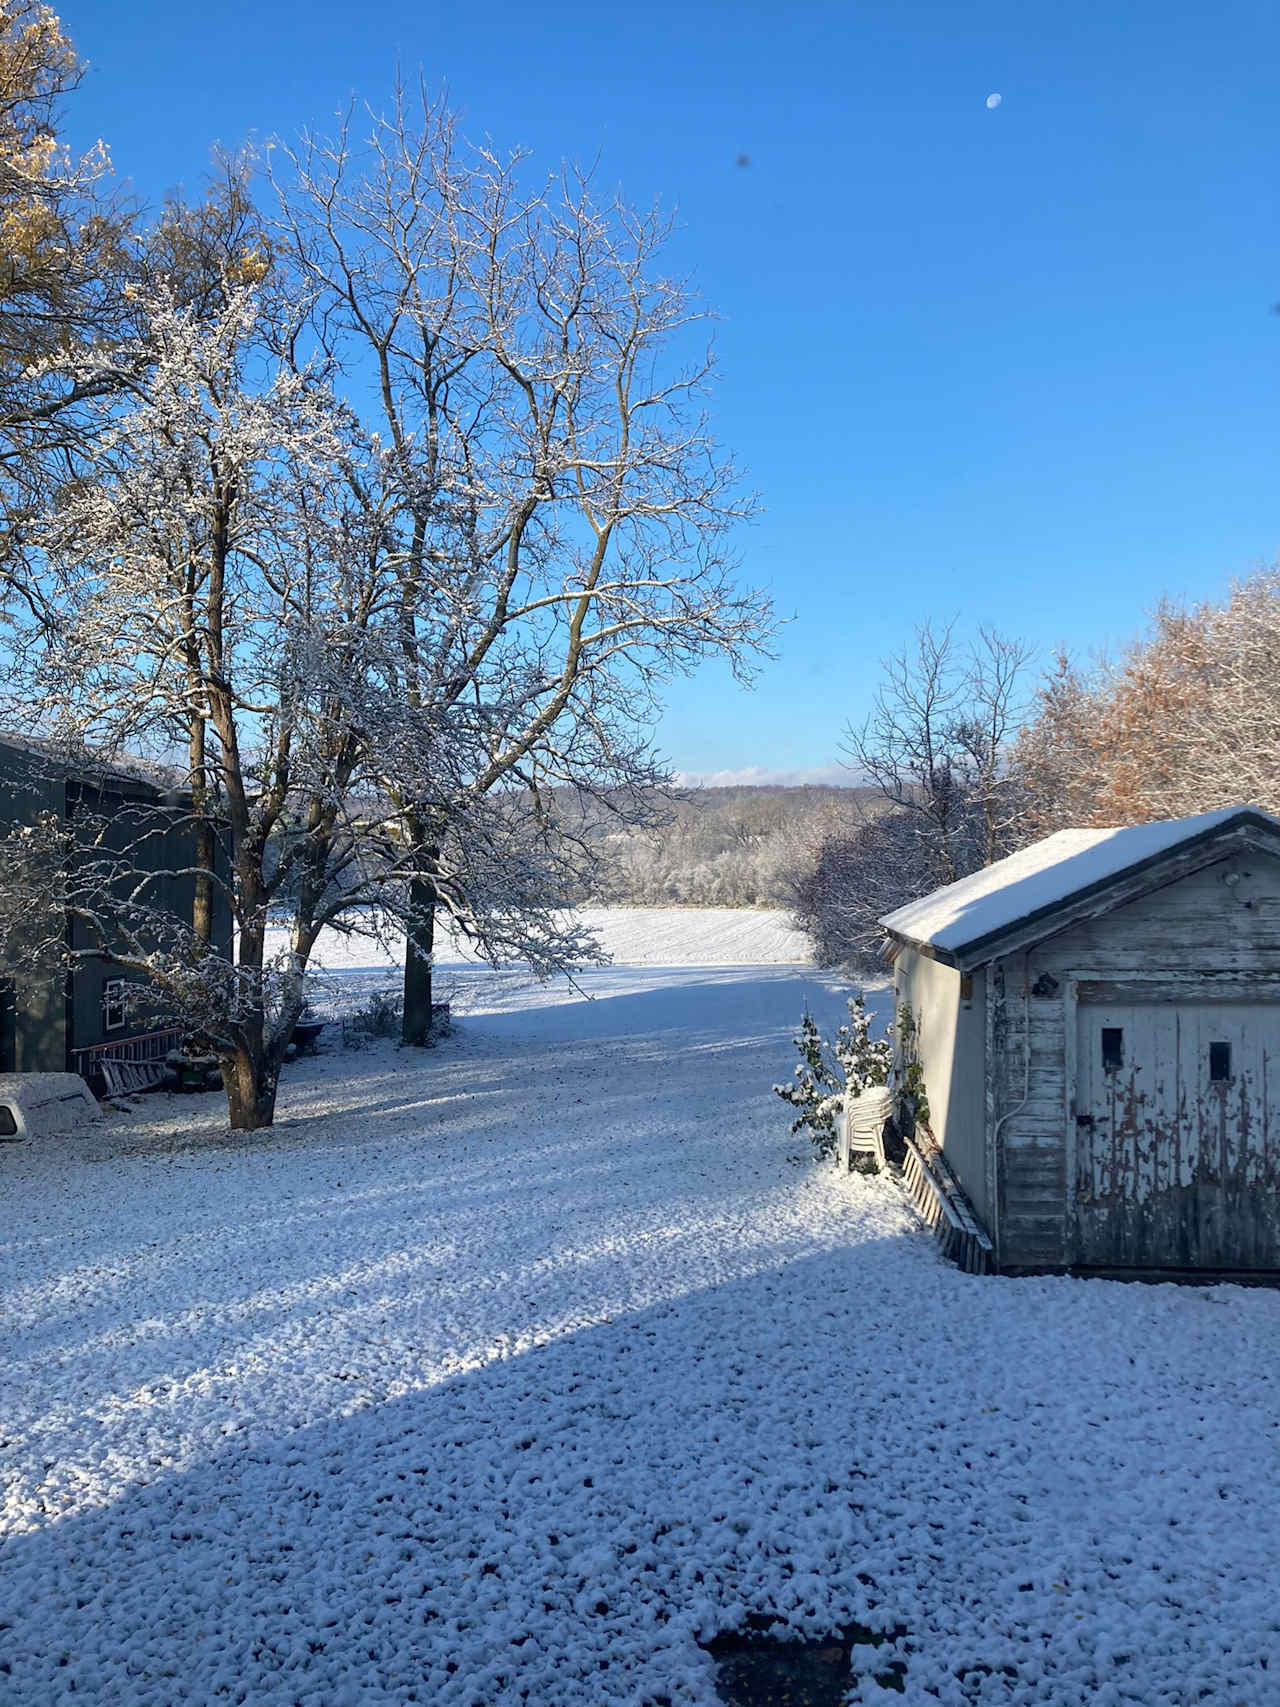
(1013, 366)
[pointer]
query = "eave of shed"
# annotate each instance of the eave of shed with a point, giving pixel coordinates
(964, 923)
(81, 765)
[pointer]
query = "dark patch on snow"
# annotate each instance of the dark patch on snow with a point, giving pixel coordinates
(756, 1668)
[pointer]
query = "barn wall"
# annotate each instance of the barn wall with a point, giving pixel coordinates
(1220, 922)
(951, 1045)
(44, 1014)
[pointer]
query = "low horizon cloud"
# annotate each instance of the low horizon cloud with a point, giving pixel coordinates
(758, 776)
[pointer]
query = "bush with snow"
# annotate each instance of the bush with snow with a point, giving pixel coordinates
(827, 1074)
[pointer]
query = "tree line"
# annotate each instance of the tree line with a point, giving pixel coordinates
(740, 846)
(372, 494)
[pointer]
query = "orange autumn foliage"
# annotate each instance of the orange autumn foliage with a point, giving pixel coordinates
(1184, 721)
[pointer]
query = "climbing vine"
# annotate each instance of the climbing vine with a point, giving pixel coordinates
(912, 1103)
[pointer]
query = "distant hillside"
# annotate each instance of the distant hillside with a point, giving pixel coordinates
(717, 847)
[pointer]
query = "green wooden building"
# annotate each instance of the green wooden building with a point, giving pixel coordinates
(57, 1020)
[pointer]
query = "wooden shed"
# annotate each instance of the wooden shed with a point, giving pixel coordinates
(1099, 1031)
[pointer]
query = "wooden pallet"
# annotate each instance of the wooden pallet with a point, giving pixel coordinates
(940, 1201)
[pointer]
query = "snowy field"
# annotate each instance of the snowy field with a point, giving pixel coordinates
(503, 1373)
(350, 967)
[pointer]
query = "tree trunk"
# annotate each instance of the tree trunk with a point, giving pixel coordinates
(419, 945)
(202, 899)
(251, 1080)
(251, 1070)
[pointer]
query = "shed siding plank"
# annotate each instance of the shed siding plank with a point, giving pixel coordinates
(1043, 1189)
(1033, 1158)
(1037, 1128)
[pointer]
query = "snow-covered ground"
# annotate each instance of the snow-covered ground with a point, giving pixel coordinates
(634, 936)
(500, 1374)
(349, 967)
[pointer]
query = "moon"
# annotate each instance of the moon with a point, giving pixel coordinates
(993, 101)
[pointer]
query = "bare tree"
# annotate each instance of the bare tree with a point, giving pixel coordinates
(564, 512)
(855, 875)
(992, 711)
(936, 748)
(378, 655)
(221, 602)
(190, 580)
(936, 744)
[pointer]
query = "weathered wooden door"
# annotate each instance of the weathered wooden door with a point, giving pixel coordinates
(1177, 1113)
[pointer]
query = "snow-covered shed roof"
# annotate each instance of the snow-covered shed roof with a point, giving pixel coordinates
(961, 920)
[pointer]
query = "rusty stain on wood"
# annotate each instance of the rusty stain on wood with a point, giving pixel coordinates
(1171, 1165)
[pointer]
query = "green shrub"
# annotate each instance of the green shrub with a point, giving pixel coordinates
(827, 1073)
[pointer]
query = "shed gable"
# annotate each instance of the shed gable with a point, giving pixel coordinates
(1073, 876)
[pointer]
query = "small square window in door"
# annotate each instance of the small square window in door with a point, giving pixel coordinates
(1219, 1063)
(1112, 1048)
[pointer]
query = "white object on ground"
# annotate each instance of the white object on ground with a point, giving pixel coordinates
(860, 1125)
(36, 1105)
